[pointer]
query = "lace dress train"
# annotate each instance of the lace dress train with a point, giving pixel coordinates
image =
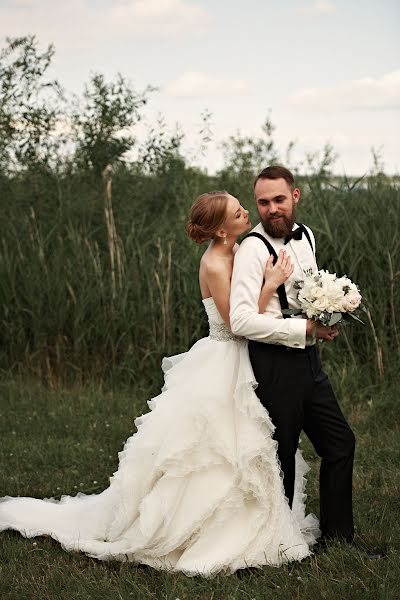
(198, 488)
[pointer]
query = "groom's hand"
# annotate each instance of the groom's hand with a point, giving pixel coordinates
(322, 332)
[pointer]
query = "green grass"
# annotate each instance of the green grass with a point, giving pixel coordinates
(66, 440)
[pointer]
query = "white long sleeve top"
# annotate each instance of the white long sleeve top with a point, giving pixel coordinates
(247, 280)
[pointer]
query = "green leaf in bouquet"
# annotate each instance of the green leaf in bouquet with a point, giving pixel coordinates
(335, 318)
(353, 316)
(324, 318)
(291, 311)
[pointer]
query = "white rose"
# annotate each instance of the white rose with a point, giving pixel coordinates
(309, 309)
(312, 313)
(346, 306)
(354, 288)
(332, 308)
(343, 282)
(317, 292)
(356, 296)
(333, 291)
(320, 304)
(351, 301)
(306, 292)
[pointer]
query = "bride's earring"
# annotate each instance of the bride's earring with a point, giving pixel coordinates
(225, 241)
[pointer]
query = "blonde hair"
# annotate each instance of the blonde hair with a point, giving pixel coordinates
(207, 215)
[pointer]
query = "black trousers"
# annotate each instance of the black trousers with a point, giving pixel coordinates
(298, 396)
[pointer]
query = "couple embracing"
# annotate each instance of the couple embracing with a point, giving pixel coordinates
(213, 479)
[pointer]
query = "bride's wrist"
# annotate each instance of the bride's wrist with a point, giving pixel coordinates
(269, 286)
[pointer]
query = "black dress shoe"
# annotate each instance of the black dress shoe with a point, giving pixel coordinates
(324, 544)
(372, 553)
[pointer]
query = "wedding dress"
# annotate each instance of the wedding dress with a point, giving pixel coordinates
(198, 488)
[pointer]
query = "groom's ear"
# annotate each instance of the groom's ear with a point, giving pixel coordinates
(296, 195)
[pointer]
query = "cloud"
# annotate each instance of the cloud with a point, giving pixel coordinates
(319, 7)
(92, 22)
(176, 15)
(367, 93)
(196, 84)
(159, 10)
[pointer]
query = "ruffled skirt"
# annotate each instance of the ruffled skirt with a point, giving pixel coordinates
(198, 488)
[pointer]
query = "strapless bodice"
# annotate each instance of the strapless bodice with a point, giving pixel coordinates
(212, 311)
(219, 331)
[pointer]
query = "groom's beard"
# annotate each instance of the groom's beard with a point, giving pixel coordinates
(281, 228)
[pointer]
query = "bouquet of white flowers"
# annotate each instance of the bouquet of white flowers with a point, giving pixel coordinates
(327, 298)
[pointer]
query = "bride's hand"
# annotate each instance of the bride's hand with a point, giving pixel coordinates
(277, 274)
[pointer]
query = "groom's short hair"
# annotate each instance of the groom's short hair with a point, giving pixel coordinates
(277, 172)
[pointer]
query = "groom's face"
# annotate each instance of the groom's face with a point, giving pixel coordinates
(276, 204)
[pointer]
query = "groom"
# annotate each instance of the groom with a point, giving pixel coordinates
(291, 383)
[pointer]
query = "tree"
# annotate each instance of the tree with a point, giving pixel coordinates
(103, 125)
(247, 155)
(29, 106)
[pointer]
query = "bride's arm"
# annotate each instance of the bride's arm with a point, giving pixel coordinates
(219, 283)
(267, 291)
(274, 276)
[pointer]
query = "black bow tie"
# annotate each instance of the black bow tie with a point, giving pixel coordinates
(297, 234)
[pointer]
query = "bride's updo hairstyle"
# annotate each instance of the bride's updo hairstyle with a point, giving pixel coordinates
(207, 215)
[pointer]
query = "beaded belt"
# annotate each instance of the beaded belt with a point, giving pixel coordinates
(221, 333)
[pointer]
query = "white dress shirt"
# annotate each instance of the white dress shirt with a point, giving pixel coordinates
(247, 280)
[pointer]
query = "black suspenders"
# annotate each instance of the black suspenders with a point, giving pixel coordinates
(307, 236)
(281, 289)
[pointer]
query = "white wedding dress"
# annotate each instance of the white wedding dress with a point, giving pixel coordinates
(198, 488)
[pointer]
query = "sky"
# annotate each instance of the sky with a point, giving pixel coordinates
(324, 70)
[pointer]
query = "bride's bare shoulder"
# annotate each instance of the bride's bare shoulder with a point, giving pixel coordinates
(212, 262)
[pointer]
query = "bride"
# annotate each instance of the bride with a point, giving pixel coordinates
(198, 488)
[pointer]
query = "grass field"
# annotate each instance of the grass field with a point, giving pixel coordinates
(94, 294)
(99, 281)
(62, 441)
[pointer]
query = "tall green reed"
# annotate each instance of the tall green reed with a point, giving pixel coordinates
(99, 279)
(357, 234)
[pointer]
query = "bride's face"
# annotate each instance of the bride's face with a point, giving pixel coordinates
(237, 218)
